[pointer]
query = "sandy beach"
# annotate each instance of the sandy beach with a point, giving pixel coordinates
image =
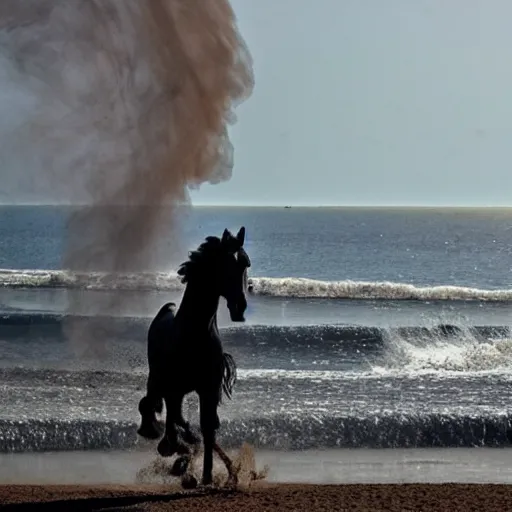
(402, 480)
(261, 497)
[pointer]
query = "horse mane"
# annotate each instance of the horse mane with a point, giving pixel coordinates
(199, 259)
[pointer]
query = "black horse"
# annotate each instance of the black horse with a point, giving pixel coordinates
(185, 350)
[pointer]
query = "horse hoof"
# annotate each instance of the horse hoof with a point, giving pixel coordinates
(180, 466)
(206, 482)
(149, 431)
(189, 482)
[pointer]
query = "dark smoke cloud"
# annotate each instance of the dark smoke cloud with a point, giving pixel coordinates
(118, 105)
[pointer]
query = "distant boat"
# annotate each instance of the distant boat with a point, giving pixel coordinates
(287, 206)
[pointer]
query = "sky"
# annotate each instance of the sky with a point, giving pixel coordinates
(373, 102)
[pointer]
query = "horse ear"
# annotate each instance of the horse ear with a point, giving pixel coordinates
(226, 236)
(241, 236)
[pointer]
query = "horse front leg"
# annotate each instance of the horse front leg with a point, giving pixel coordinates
(182, 463)
(149, 405)
(169, 445)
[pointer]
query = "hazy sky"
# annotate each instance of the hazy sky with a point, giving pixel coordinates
(374, 102)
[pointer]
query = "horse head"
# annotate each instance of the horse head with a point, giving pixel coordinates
(234, 273)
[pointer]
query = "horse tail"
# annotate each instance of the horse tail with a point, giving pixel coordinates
(229, 377)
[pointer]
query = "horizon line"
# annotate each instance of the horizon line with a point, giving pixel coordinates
(285, 205)
(282, 205)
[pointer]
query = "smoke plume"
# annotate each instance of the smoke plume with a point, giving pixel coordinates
(118, 105)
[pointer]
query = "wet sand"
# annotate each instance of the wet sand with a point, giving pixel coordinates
(332, 466)
(261, 497)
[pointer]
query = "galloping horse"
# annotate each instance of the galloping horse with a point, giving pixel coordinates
(185, 351)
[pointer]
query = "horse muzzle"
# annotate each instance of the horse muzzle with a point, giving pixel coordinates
(236, 312)
(236, 316)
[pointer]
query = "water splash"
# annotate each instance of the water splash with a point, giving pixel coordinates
(461, 351)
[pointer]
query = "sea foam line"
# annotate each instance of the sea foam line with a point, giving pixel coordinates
(310, 288)
(292, 287)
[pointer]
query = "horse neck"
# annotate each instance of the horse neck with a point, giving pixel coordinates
(199, 305)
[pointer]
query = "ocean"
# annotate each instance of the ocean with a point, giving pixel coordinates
(344, 344)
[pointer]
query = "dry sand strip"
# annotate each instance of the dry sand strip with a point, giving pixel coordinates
(261, 497)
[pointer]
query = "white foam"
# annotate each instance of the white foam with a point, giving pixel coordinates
(277, 374)
(278, 287)
(310, 288)
(90, 281)
(461, 353)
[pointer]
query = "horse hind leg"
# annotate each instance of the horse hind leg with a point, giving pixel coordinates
(209, 426)
(181, 464)
(232, 472)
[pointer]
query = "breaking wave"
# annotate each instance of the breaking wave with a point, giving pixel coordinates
(466, 352)
(281, 432)
(90, 280)
(266, 286)
(309, 288)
